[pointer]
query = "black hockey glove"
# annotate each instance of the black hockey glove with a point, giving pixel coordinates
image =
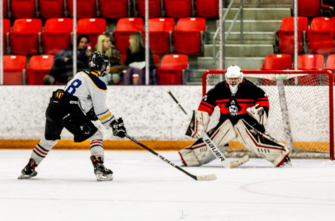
(118, 128)
(91, 115)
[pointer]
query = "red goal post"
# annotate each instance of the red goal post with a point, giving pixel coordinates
(301, 108)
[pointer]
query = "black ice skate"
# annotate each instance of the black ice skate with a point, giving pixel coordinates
(286, 163)
(101, 173)
(29, 171)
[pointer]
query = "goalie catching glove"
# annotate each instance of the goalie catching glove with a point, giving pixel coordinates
(118, 128)
(258, 113)
(198, 125)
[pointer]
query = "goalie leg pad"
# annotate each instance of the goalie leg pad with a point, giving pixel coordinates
(199, 154)
(261, 144)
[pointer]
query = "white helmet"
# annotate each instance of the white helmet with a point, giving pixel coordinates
(234, 76)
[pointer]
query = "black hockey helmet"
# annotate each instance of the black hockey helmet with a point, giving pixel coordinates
(99, 62)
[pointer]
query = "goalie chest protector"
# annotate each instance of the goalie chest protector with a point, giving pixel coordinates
(234, 106)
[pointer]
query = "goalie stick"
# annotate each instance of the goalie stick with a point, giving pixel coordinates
(217, 153)
(198, 178)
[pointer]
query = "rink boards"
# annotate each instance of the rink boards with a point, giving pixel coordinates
(150, 115)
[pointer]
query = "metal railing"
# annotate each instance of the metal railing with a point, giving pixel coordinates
(223, 37)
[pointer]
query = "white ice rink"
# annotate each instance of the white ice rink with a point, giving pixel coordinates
(145, 188)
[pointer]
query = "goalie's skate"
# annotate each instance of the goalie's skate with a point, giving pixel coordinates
(101, 173)
(286, 162)
(29, 171)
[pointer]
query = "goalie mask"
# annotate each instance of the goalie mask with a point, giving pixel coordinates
(234, 76)
(99, 62)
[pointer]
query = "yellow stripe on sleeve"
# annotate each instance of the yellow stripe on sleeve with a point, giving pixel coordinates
(105, 117)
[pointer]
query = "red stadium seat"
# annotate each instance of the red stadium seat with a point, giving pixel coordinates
(276, 62)
(93, 27)
(320, 36)
(160, 30)
(51, 8)
(23, 8)
(4, 8)
(207, 8)
(178, 8)
(39, 66)
(154, 8)
(309, 62)
(114, 8)
(14, 69)
(286, 34)
(309, 8)
(6, 29)
(189, 35)
(124, 27)
(24, 37)
(85, 8)
(57, 34)
(330, 64)
(171, 69)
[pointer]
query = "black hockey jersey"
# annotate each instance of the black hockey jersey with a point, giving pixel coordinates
(234, 106)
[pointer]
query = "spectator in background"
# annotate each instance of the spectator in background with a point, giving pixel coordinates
(328, 7)
(135, 61)
(105, 46)
(62, 69)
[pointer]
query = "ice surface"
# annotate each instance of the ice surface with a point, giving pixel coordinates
(146, 188)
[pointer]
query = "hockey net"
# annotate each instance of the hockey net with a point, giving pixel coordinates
(301, 109)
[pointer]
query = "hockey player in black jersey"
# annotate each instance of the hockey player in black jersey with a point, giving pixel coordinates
(244, 108)
(82, 100)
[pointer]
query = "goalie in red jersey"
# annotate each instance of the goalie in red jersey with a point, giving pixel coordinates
(244, 110)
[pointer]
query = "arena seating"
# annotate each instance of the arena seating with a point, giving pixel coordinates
(14, 69)
(178, 8)
(39, 66)
(154, 6)
(160, 30)
(171, 69)
(330, 64)
(85, 8)
(309, 8)
(124, 27)
(93, 27)
(6, 29)
(207, 8)
(189, 35)
(309, 62)
(276, 62)
(57, 34)
(320, 36)
(24, 37)
(23, 8)
(51, 8)
(4, 8)
(114, 8)
(285, 34)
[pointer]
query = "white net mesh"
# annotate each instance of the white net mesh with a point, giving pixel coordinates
(307, 97)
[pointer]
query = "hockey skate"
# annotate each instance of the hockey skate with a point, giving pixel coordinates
(286, 162)
(29, 171)
(101, 173)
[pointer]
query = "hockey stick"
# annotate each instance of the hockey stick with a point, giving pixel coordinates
(217, 153)
(198, 178)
